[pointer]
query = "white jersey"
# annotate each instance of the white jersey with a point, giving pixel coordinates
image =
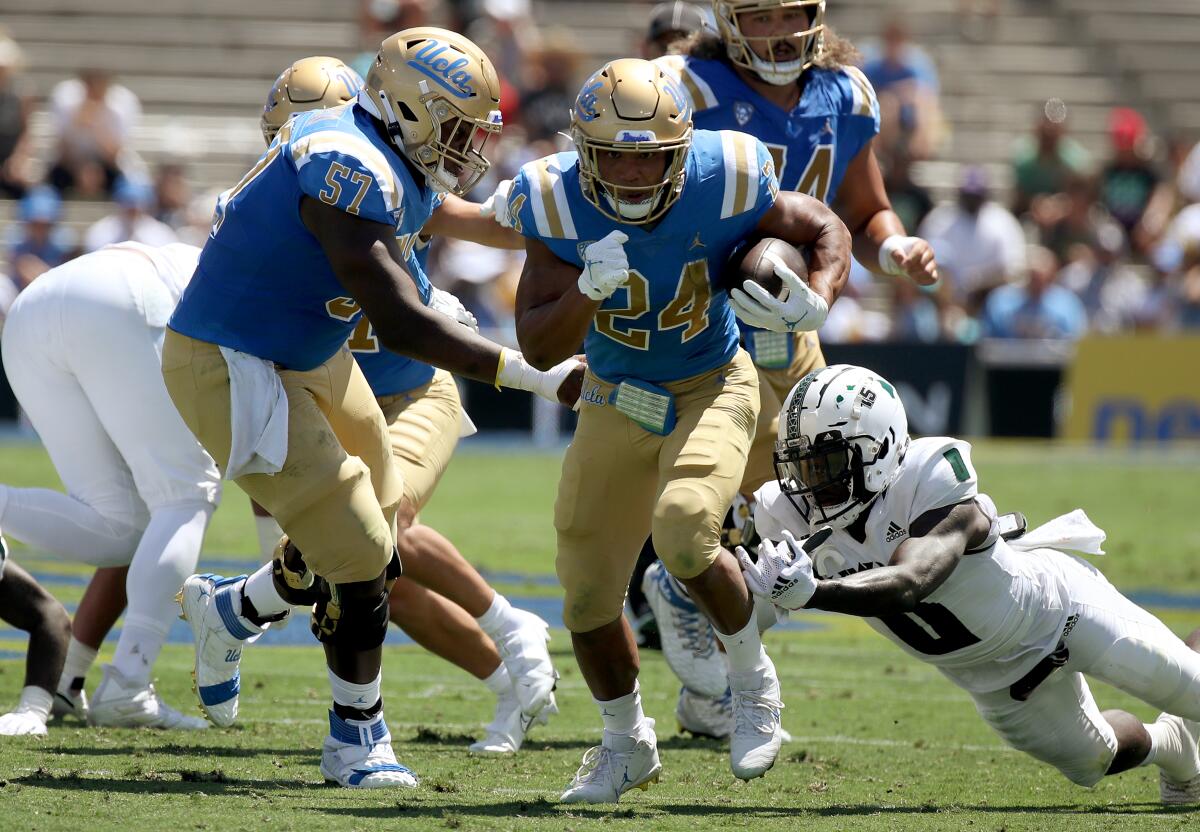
(174, 264)
(997, 615)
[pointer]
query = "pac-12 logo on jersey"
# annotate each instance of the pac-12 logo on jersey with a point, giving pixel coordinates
(743, 112)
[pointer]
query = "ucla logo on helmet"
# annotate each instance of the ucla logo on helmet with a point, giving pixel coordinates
(350, 79)
(431, 60)
(585, 104)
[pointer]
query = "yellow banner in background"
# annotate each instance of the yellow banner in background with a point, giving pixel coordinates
(1136, 388)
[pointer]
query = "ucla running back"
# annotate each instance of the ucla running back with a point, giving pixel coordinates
(625, 237)
(319, 232)
(441, 601)
(864, 521)
(775, 70)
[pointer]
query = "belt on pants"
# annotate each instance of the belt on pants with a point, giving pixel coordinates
(1024, 687)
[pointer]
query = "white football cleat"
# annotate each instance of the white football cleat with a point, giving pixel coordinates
(509, 727)
(358, 755)
(705, 716)
(620, 763)
(689, 643)
(527, 659)
(70, 703)
(757, 733)
(211, 607)
(1177, 792)
(120, 703)
(21, 723)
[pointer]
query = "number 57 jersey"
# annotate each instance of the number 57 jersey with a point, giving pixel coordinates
(263, 285)
(670, 321)
(997, 615)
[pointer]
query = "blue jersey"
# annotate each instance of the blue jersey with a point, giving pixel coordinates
(836, 117)
(387, 372)
(670, 321)
(263, 285)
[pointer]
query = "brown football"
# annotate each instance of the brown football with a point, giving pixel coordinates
(751, 263)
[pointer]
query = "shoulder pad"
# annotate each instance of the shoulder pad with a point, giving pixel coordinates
(749, 174)
(945, 475)
(539, 203)
(347, 171)
(699, 91)
(862, 100)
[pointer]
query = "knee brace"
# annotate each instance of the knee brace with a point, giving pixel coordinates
(294, 581)
(353, 616)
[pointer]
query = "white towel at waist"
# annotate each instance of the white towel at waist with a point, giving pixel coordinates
(1073, 531)
(259, 416)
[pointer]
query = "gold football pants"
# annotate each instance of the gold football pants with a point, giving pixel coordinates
(423, 426)
(338, 491)
(620, 482)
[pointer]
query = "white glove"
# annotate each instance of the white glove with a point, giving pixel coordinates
(517, 374)
(797, 309)
(893, 245)
(605, 266)
(450, 306)
(22, 723)
(496, 205)
(784, 572)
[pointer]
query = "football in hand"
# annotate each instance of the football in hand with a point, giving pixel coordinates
(754, 262)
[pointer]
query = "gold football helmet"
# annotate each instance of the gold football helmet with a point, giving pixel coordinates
(631, 106)
(439, 98)
(808, 43)
(309, 84)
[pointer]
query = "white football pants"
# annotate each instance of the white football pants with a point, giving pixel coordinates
(1115, 641)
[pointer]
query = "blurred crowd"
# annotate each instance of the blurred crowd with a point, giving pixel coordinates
(1107, 243)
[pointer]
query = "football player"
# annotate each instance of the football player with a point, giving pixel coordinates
(863, 521)
(24, 604)
(625, 237)
(82, 347)
(775, 71)
(319, 232)
(441, 601)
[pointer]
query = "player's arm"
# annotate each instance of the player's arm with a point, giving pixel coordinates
(366, 259)
(938, 540)
(880, 241)
(552, 313)
(804, 222)
(463, 220)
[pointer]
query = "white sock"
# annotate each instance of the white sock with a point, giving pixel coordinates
(167, 553)
(80, 659)
(624, 714)
(353, 694)
(260, 589)
(499, 682)
(36, 701)
(744, 648)
(1167, 750)
(268, 537)
(138, 649)
(495, 622)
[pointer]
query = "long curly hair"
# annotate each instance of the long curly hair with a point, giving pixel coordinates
(837, 52)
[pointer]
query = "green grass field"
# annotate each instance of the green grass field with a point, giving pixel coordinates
(882, 742)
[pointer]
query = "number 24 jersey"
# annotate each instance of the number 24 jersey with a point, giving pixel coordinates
(670, 321)
(992, 620)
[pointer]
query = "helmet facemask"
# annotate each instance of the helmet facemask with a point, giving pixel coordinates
(806, 45)
(632, 204)
(453, 158)
(823, 480)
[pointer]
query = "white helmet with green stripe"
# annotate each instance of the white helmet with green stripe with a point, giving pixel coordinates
(842, 436)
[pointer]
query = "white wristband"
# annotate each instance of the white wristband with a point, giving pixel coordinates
(894, 243)
(513, 371)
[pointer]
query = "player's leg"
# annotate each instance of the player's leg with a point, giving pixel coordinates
(700, 467)
(602, 515)
(424, 425)
(99, 519)
(24, 604)
(326, 501)
(102, 603)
